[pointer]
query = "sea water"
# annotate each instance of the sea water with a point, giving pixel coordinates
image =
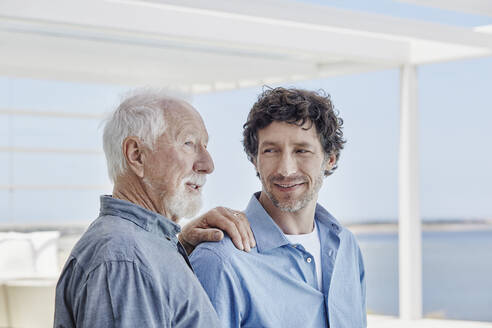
(457, 273)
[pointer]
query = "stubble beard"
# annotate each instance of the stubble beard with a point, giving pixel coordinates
(294, 205)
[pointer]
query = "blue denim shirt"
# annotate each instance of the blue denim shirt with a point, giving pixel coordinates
(275, 285)
(127, 271)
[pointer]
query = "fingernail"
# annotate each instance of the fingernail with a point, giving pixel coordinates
(218, 235)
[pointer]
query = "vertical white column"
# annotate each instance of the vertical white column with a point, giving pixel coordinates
(11, 145)
(409, 225)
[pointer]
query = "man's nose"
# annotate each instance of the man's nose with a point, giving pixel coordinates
(204, 163)
(287, 165)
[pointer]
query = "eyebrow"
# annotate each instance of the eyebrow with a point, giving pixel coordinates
(267, 143)
(297, 144)
(303, 144)
(186, 132)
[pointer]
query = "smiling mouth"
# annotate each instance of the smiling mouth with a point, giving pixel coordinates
(194, 186)
(289, 186)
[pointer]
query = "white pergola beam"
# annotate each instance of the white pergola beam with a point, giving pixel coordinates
(206, 46)
(333, 19)
(484, 29)
(286, 26)
(111, 19)
(477, 7)
(176, 46)
(409, 224)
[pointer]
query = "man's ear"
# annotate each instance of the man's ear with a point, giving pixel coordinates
(330, 163)
(254, 161)
(134, 156)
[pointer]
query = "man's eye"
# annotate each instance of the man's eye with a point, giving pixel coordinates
(302, 151)
(268, 150)
(189, 143)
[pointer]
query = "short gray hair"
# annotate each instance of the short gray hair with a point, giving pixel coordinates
(140, 114)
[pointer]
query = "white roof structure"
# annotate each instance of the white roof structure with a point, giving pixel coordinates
(478, 7)
(213, 45)
(204, 46)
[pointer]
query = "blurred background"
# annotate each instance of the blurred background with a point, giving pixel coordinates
(65, 66)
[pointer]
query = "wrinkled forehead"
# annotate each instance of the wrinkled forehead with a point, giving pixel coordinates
(180, 115)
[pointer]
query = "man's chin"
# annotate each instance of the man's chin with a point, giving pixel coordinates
(289, 207)
(194, 205)
(183, 205)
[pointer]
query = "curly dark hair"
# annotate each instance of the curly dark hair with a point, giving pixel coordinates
(295, 106)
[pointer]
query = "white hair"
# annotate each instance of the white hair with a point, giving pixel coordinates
(140, 114)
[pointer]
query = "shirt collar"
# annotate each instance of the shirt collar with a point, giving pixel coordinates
(147, 220)
(267, 233)
(323, 217)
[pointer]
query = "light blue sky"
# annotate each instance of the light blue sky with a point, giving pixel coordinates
(455, 118)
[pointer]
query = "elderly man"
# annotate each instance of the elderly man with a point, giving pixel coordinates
(306, 270)
(128, 269)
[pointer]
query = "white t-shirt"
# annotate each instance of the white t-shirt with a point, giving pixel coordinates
(311, 244)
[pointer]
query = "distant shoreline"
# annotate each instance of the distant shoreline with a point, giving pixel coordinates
(432, 225)
(76, 228)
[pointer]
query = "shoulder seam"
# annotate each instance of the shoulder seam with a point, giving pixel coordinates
(213, 251)
(87, 274)
(223, 256)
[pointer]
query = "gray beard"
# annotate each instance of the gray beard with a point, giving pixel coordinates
(182, 205)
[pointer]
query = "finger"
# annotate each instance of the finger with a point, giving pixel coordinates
(241, 228)
(227, 224)
(252, 241)
(245, 230)
(247, 227)
(241, 225)
(210, 234)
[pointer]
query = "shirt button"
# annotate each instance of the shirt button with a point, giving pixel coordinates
(330, 253)
(308, 260)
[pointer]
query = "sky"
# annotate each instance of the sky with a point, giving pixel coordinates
(455, 111)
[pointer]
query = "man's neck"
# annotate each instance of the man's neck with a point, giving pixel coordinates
(131, 189)
(291, 223)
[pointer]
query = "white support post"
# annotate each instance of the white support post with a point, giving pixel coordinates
(409, 225)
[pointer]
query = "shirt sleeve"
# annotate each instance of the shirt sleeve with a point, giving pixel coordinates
(120, 294)
(221, 284)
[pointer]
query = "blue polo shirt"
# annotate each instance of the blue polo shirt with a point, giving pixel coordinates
(275, 285)
(128, 270)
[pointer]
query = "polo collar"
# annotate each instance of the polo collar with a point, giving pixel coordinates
(268, 234)
(324, 217)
